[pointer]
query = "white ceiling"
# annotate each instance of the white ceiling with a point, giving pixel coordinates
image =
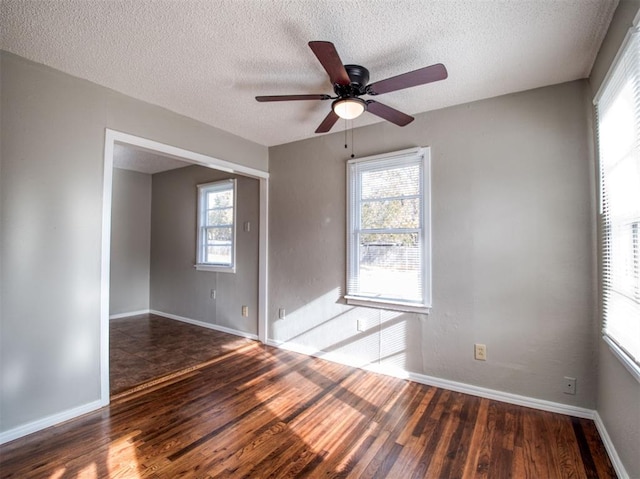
(209, 59)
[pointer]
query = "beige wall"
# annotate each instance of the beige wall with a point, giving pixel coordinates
(52, 147)
(130, 242)
(618, 393)
(176, 287)
(512, 247)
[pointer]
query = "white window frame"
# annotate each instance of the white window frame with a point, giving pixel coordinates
(203, 190)
(614, 339)
(419, 155)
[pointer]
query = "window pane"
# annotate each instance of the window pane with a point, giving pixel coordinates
(217, 199)
(617, 130)
(391, 183)
(391, 214)
(623, 190)
(624, 259)
(222, 216)
(219, 234)
(219, 254)
(390, 266)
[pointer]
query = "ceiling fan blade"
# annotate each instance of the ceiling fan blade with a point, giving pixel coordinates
(328, 122)
(388, 113)
(406, 80)
(330, 60)
(292, 97)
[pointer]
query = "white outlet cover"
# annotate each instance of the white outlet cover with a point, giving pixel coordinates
(569, 385)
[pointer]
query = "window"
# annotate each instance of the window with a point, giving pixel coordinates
(216, 226)
(618, 113)
(389, 264)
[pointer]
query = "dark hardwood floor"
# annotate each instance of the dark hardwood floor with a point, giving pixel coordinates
(263, 412)
(147, 347)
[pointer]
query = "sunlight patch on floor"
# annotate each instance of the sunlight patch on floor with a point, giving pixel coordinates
(90, 471)
(122, 458)
(58, 474)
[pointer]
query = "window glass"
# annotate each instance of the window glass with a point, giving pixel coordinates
(618, 114)
(389, 236)
(216, 225)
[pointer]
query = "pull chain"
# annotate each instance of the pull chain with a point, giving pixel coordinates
(345, 134)
(352, 155)
(345, 138)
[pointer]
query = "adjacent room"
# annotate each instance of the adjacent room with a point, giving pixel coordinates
(151, 262)
(381, 238)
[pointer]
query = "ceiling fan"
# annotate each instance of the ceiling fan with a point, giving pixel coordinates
(350, 82)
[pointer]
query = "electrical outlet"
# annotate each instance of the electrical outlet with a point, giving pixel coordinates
(282, 313)
(245, 311)
(569, 385)
(213, 294)
(480, 352)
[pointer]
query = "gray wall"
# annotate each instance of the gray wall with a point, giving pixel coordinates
(512, 221)
(153, 248)
(176, 287)
(618, 394)
(52, 144)
(512, 246)
(130, 242)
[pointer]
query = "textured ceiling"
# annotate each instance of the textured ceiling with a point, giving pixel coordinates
(208, 59)
(128, 157)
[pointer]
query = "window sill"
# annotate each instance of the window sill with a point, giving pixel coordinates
(386, 304)
(627, 362)
(215, 268)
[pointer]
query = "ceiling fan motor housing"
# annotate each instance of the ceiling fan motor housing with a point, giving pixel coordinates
(359, 77)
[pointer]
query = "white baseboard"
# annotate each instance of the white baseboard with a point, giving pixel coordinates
(611, 450)
(479, 391)
(510, 398)
(132, 313)
(216, 327)
(48, 421)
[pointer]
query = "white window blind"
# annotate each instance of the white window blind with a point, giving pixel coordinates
(216, 226)
(618, 121)
(388, 231)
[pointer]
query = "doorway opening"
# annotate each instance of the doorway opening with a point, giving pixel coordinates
(115, 141)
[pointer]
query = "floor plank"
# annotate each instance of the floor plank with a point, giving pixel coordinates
(264, 412)
(146, 347)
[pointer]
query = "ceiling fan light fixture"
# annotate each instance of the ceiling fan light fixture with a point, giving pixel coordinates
(349, 108)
